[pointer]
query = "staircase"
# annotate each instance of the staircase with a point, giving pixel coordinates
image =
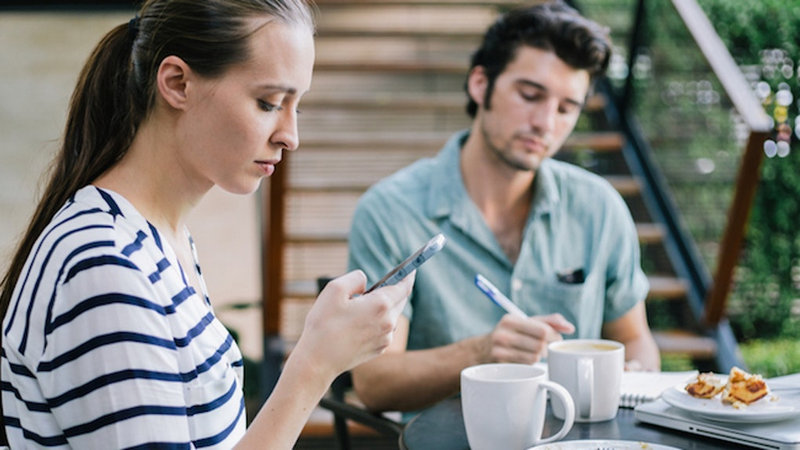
(388, 90)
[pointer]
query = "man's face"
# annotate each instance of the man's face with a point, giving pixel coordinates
(532, 110)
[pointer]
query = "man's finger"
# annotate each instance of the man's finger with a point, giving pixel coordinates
(558, 323)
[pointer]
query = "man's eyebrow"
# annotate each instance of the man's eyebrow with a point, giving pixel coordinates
(542, 87)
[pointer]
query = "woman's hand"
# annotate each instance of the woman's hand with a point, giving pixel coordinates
(344, 329)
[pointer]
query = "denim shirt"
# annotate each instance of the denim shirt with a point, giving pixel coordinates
(579, 254)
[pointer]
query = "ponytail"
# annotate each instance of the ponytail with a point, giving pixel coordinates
(116, 90)
(99, 129)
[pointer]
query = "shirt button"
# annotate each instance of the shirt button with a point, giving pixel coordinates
(516, 284)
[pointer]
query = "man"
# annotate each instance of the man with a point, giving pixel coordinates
(556, 239)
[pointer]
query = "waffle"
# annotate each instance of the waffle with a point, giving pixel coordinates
(743, 387)
(706, 385)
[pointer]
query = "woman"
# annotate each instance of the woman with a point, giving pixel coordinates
(108, 337)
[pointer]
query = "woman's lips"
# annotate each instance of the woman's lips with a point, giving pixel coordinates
(267, 167)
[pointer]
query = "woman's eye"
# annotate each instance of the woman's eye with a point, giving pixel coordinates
(267, 106)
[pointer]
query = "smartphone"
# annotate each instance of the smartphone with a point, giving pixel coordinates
(412, 262)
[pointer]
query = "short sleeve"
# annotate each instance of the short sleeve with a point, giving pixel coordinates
(370, 245)
(626, 283)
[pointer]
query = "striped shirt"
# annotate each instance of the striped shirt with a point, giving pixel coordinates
(106, 345)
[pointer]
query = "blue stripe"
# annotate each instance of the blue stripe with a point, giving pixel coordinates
(181, 296)
(51, 303)
(195, 331)
(19, 369)
(156, 236)
(113, 208)
(238, 363)
(124, 414)
(35, 255)
(102, 300)
(154, 277)
(31, 406)
(136, 245)
(213, 359)
(106, 380)
(161, 446)
(24, 341)
(214, 404)
(104, 260)
(13, 422)
(221, 436)
(163, 264)
(100, 341)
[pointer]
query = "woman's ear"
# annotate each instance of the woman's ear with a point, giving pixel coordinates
(172, 81)
(477, 83)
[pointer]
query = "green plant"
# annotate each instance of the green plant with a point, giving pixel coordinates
(764, 37)
(772, 358)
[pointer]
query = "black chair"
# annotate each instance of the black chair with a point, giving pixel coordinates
(343, 411)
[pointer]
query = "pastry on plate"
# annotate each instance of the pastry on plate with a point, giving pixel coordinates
(706, 385)
(744, 387)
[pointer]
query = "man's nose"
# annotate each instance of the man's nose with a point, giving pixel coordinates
(543, 116)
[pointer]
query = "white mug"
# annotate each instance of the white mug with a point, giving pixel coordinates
(591, 370)
(504, 406)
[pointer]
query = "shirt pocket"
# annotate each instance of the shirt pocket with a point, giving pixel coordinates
(580, 303)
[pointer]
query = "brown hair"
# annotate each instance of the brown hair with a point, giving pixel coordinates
(116, 91)
(553, 26)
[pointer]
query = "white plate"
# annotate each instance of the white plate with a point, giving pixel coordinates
(601, 444)
(771, 408)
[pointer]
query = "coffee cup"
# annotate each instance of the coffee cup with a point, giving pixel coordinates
(504, 406)
(591, 371)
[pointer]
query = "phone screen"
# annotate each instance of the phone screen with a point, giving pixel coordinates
(412, 262)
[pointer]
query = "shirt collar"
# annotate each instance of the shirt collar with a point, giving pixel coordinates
(448, 193)
(447, 185)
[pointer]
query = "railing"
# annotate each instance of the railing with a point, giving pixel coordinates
(656, 90)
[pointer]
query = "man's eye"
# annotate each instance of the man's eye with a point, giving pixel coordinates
(569, 109)
(530, 97)
(269, 107)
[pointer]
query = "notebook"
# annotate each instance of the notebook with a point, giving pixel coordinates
(781, 434)
(643, 387)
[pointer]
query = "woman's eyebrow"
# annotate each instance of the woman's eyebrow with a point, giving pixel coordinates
(278, 87)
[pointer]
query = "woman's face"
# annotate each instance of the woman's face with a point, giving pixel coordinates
(236, 126)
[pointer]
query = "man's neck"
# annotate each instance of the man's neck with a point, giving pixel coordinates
(501, 193)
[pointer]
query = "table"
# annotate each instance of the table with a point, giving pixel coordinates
(442, 428)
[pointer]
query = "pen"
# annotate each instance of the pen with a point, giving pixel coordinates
(496, 296)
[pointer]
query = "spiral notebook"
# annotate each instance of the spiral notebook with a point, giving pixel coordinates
(643, 387)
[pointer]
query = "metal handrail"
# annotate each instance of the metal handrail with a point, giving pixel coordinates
(707, 295)
(759, 123)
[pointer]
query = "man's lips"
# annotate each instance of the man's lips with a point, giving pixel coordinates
(534, 144)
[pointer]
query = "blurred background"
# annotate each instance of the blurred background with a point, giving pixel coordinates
(667, 128)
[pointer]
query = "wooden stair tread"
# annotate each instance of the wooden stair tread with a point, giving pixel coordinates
(371, 140)
(660, 286)
(402, 101)
(334, 3)
(366, 173)
(417, 21)
(682, 342)
(391, 66)
(666, 287)
(647, 233)
(650, 233)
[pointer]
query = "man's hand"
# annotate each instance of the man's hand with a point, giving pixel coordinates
(524, 339)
